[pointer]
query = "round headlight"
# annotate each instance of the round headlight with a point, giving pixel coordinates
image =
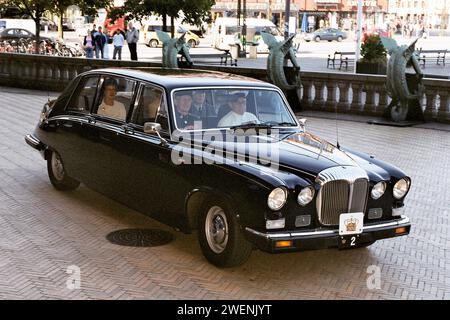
(378, 190)
(401, 188)
(277, 199)
(305, 196)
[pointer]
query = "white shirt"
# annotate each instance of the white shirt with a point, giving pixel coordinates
(234, 119)
(118, 40)
(117, 110)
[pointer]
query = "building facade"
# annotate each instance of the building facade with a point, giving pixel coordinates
(318, 13)
(433, 14)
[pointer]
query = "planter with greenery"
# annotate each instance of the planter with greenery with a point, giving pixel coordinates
(373, 56)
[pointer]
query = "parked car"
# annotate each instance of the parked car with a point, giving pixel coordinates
(380, 32)
(67, 25)
(51, 25)
(329, 34)
(18, 33)
(149, 37)
(134, 135)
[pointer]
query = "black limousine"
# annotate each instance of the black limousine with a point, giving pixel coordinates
(220, 154)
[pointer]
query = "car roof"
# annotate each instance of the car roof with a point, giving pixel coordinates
(182, 78)
(7, 29)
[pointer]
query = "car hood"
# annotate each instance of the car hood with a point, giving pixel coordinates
(300, 153)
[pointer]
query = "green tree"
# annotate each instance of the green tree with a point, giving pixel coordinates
(32, 8)
(58, 7)
(194, 11)
(372, 49)
(36, 8)
(88, 7)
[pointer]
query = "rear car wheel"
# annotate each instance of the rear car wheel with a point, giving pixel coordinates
(153, 43)
(317, 39)
(191, 43)
(57, 173)
(220, 237)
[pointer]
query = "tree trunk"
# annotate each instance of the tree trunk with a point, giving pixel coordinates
(60, 25)
(172, 27)
(37, 22)
(164, 16)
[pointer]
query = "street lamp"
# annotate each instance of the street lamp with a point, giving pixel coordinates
(287, 14)
(358, 32)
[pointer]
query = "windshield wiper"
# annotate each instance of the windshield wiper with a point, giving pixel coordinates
(279, 124)
(285, 124)
(252, 125)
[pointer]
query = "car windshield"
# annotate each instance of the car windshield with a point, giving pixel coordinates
(230, 108)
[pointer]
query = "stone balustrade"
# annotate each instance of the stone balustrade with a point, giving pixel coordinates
(341, 92)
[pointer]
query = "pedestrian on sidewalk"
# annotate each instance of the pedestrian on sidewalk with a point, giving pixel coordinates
(88, 45)
(132, 40)
(106, 46)
(100, 41)
(118, 41)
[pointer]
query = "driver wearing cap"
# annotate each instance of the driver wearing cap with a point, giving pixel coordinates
(183, 117)
(238, 114)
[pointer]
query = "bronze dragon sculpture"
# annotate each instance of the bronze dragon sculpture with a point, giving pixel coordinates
(279, 52)
(404, 88)
(171, 49)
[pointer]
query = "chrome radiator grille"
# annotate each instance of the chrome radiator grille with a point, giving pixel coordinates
(343, 189)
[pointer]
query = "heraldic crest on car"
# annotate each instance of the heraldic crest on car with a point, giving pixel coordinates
(220, 154)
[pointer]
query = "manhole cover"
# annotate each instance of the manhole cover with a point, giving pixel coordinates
(140, 237)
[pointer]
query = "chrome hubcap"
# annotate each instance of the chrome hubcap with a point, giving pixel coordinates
(57, 167)
(216, 229)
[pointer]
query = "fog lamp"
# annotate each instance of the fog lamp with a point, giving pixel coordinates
(275, 224)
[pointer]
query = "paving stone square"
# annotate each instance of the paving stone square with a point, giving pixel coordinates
(44, 232)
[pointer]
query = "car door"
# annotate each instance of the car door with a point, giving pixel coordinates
(76, 139)
(115, 93)
(148, 157)
(327, 34)
(333, 34)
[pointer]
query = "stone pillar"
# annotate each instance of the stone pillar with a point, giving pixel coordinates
(330, 104)
(444, 109)
(369, 107)
(306, 97)
(318, 95)
(356, 106)
(382, 100)
(430, 109)
(34, 70)
(343, 103)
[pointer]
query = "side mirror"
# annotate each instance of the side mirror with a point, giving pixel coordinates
(153, 127)
(302, 122)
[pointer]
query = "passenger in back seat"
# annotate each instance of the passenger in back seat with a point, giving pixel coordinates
(109, 106)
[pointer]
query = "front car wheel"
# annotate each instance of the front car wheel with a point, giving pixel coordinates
(57, 173)
(153, 43)
(220, 236)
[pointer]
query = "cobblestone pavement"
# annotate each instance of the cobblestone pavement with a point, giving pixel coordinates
(44, 231)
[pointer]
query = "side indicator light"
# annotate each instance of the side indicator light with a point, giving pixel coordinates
(400, 230)
(283, 244)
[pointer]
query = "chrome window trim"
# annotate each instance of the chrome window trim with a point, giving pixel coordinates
(79, 81)
(172, 105)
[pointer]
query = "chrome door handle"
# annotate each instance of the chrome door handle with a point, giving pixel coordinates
(128, 129)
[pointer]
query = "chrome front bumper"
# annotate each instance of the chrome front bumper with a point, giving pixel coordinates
(36, 144)
(320, 238)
